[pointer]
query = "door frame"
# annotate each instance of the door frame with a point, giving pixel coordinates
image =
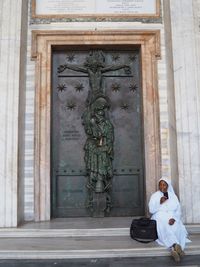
(42, 43)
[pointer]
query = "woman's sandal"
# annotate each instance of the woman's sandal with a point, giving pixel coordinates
(175, 255)
(179, 250)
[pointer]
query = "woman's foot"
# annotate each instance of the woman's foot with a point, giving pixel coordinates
(175, 255)
(179, 250)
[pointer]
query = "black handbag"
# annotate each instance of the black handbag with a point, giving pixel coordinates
(143, 230)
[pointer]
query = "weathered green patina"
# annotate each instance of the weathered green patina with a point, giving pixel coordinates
(99, 131)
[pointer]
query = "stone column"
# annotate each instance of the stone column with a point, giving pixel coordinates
(12, 35)
(185, 16)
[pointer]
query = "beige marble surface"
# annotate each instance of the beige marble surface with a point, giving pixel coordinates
(186, 69)
(10, 79)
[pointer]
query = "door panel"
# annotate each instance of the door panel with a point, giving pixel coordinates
(69, 94)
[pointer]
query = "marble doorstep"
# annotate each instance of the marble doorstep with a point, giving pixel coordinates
(79, 227)
(71, 227)
(85, 232)
(85, 247)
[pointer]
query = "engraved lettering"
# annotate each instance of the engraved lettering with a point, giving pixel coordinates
(70, 135)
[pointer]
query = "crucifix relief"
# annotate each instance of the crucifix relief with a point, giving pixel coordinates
(100, 132)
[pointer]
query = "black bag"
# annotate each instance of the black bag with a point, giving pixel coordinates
(143, 230)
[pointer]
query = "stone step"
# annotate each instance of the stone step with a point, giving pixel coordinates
(40, 233)
(89, 238)
(85, 247)
(63, 232)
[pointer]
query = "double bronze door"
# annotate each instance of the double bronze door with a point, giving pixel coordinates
(70, 89)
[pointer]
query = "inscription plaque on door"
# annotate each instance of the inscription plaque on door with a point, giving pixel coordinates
(96, 132)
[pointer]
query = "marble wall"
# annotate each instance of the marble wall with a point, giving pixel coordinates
(185, 39)
(12, 76)
(179, 98)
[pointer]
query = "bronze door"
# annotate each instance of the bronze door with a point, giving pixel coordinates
(70, 97)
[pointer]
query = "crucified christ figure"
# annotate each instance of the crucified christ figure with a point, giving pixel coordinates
(95, 67)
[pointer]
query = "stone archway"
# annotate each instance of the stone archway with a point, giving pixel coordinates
(42, 43)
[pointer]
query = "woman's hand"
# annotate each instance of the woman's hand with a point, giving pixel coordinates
(162, 199)
(171, 221)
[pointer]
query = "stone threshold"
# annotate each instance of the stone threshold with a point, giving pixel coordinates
(78, 232)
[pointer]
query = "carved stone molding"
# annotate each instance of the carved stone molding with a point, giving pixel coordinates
(42, 43)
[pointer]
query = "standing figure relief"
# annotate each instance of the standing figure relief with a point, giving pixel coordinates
(98, 127)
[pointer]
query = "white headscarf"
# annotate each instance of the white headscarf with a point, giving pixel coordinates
(170, 188)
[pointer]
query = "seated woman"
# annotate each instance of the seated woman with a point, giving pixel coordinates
(165, 209)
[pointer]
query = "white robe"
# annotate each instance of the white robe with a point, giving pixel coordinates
(168, 234)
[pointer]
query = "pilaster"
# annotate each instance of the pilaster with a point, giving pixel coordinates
(186, 57)
(11, 84)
